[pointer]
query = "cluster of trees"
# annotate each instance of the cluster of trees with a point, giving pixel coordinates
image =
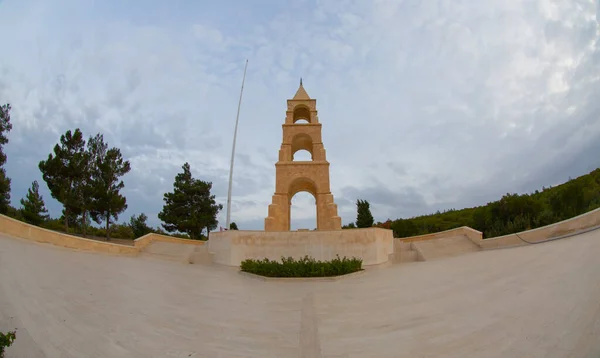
(513, 212)
(85, 177)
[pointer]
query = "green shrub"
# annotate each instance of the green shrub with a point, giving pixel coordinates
(121, 231)
(92, 231)
(14, 213)
(6, 340)
(54, 225)
(304, 267)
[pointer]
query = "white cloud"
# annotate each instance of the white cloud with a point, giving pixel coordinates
(424, 105)
(207, 34)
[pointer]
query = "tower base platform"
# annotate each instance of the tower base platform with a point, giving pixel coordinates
(373, 245)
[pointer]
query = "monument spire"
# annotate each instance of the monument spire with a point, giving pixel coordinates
(301, 93)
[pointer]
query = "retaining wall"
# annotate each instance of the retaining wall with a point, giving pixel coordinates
(27, 231)
(472, 234)
(373, 245)
(582, 222)
(231, 247)
(579, 223)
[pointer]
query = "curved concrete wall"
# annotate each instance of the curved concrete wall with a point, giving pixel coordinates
(584, 221)
(373, 245)
(27, 231)
(23, 230)
(231, 247)
(141, 242)
(471, 234)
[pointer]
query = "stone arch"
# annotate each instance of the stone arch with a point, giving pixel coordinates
(302, 141)
(303, 211)
(301, 111)
(301, 185)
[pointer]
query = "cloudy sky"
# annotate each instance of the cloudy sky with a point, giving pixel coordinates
(425, 105)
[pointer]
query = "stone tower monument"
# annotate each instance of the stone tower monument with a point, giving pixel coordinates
(292, 176)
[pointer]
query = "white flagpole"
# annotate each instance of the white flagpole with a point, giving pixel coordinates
(237, 118)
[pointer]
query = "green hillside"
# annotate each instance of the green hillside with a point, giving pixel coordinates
(513, 212)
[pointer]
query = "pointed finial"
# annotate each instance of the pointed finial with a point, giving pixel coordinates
(300, 93)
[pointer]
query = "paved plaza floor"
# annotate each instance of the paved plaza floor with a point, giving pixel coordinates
(533, 301)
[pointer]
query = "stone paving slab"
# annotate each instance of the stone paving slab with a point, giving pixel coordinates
(532, 301)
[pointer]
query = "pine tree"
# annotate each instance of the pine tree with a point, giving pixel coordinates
(190, 208)
(363, 215)
(71, 218)
(66, 174)
(5, 127)
(106, 166)
(138, 225)
(34, 210)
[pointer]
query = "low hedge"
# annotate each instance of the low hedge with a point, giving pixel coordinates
(304, 267)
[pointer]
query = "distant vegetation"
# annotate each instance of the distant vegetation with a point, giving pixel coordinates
(5, 127)
(304, 267)
(512, 213)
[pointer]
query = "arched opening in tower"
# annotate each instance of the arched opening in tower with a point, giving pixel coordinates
(303, 156)
(301, 114)
(303, 211)
(302, 147)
